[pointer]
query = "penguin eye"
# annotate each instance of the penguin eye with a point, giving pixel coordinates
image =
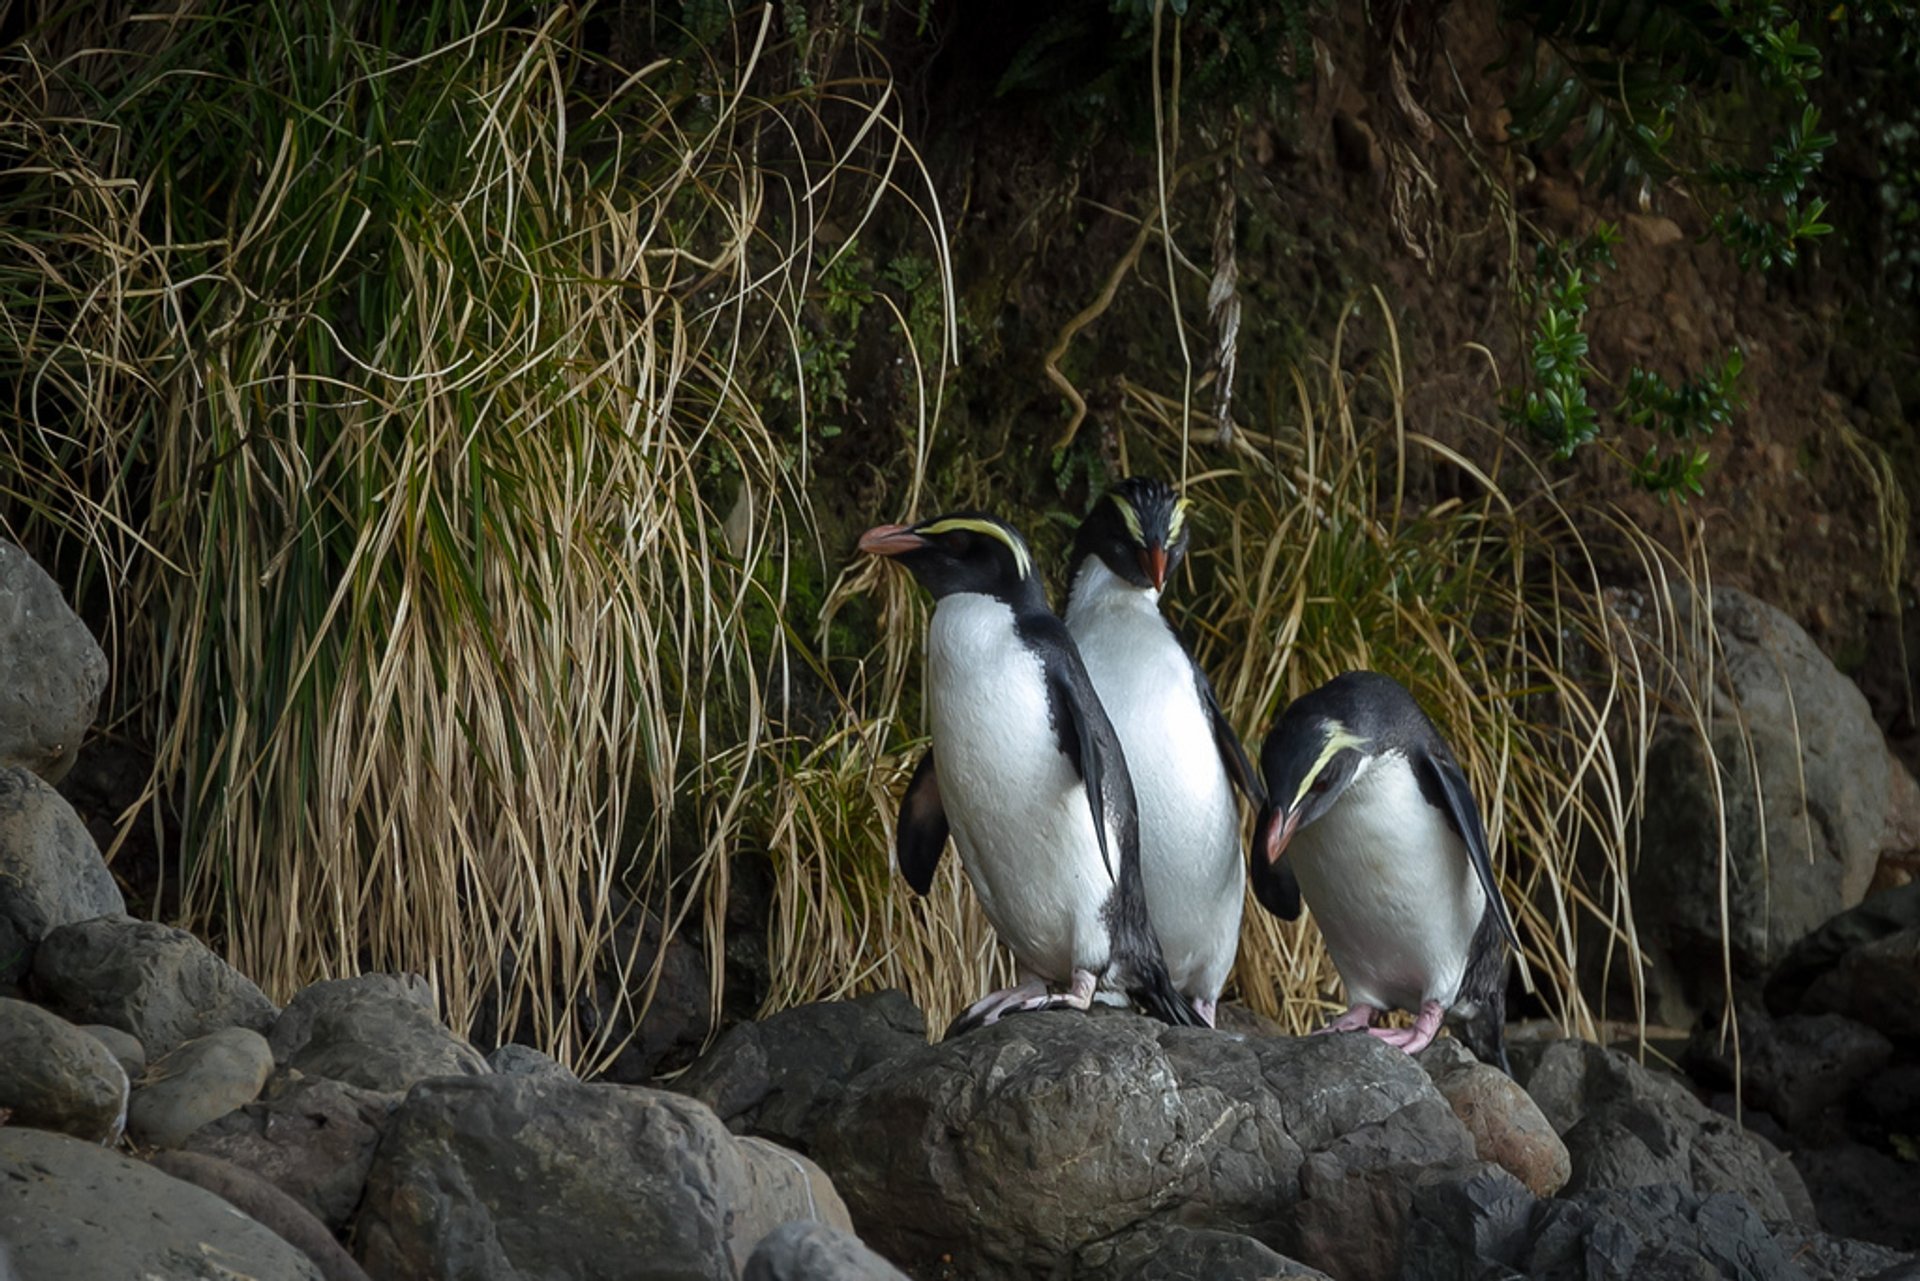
(1320, 785)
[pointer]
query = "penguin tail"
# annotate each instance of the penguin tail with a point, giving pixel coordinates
(1154, 992)
(1485, 1035)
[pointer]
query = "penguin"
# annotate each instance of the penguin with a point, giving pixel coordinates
(1027, 774)
(1184, 757)
(1389, 849)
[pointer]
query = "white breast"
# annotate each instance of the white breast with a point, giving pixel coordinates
(1017, 807)
(1190, 857)
(1391, 888)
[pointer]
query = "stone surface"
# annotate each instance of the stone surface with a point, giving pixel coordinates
(1487, 1225)
(53, 1076)
(200, 1081)
(124, 1046)
(1800, 1068)
(1830, 1258)
(524, 1060)
(377, 1031)
(52, 671)
(1170, 1252)
(1626, 1126)
(74, 1211)
(310, 1137)
(1507, 1126)
(1864, 1193)
(1016, 1147)
(1877, 984)
(808, 1250)
(779, 1076)
(523, 1176)
(51, 873)
(678, 1012)
(1887, 913)
(266, 1205)
(1805, 721)
(158, 983)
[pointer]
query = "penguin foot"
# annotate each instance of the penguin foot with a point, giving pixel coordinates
(1359, 1018)
(1426, 1026)
(1206, 1010)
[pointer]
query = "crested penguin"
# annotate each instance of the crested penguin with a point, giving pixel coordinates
(1030, 779)
(1184, 757)
(1389, 849)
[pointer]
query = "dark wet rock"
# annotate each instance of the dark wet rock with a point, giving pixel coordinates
(1016, 1147)
(158, 983)
(53, 1076)
(200, 1081)
(523, 1060)
(311, 1137)
(1486, 1224)
(808, 1250)
(1892, 1099)
(678, 1013)
(780, 1076)
(1507, 1126)
(52, 671)
(1830, 1258)
(1170, 1252)
(1800, 1068)
(1626, 1126)
(124, 1046)
(1876, 983)
(74, 1211)
(376, 1031)
(1887, 913)
(266, 1205)
(1864, 1193)
(509, 1176)
(51, 872)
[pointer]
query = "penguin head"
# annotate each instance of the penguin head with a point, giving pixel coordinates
(964, 551)
(1138, 529)
(1310, 758)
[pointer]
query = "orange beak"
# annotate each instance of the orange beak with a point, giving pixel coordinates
(890, 540)
(1278, 835)
(1153, 563)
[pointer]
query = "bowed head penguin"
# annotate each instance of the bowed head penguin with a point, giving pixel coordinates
(1030, 778)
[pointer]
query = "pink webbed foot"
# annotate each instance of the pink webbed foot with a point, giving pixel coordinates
(1358, 1018)
(1426, 1026)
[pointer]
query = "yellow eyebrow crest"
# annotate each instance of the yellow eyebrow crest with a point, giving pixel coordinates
(1022, 558)
(1338, 740)
(1132, 517)
(1178, 519)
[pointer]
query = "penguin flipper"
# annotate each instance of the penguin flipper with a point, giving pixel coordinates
(1274, 885)
(1482, 1000)
(1082, 746)
(920, 837)
(1442, 781)
(1233, 754)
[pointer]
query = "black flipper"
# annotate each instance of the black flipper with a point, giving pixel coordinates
(1087, 757)
(1233, 754)
(1481, 1006)
(1274, 885)
(1441, 781)
(920, 837)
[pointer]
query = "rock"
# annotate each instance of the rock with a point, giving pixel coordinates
(1800, 1068)
(779, 1076)
(1507, 1126)
(523, 1060)
(1169, 1252)
(158, 983)
(1016, 1147)
(1862, 1192)
(124, 1046)
(1887, 913)
(51, 872)
(807, 1250)
(310, 1137)
(1830, 1258)
(201, 1081)
(53, 1076)
(52, 671)
(377, 1031)
(507, 1176)
(1654, 231)
(1805, 720)
(1875, 983)
(1487, 1225)
(678, 1013)
(1625, 1127)
(265, 1205)
(74, 1211)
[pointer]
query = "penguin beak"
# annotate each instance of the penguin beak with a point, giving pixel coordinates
(1279, 834)
(890, 540)
(1153, 563)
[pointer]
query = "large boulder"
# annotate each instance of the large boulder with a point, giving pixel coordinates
(376, 1031)
(808, 1250)
(1170, 1252)
(55, 1077)
(1628, 1127)
(1799, 1068)
(51, 872)
(1017, 1148)
(1507, 1126)
(1864, 1192)
(159, 983)
(266, 1205)
(778, 1077)
(311, 1137)
(74, 1211)
(1812, 960)
(201, 1081)
(495, 1177)
(1809, 809)
(52, 671)
(1877, 984)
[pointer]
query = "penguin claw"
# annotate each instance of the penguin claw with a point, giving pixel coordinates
(1426, 1026)
(1358, 1018)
